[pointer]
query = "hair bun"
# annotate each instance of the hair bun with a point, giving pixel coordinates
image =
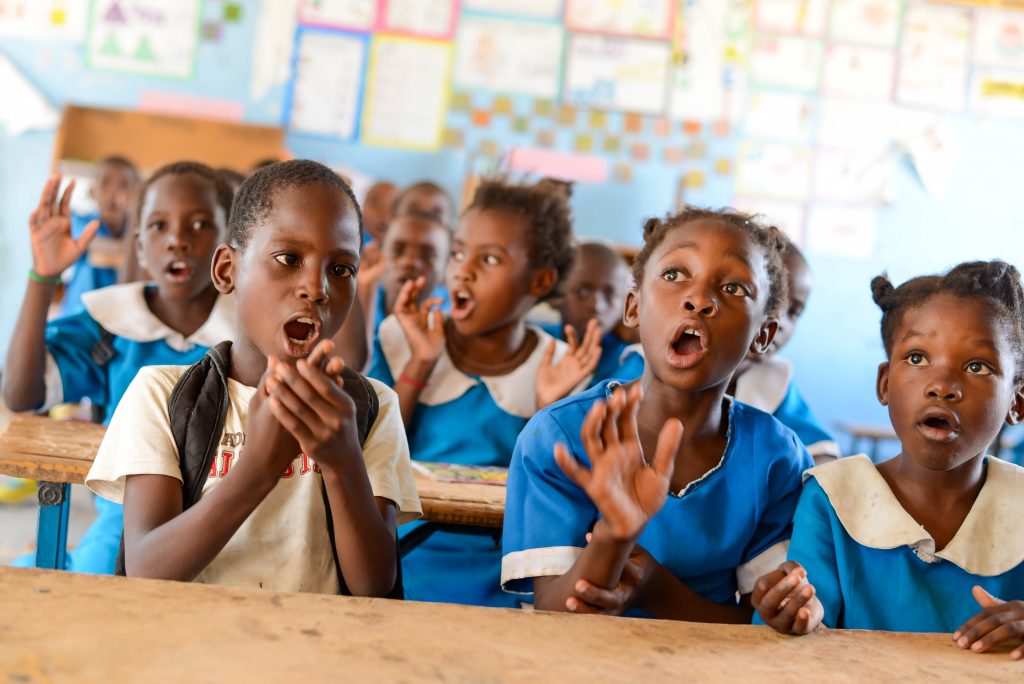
(650, 225)
(881, 289)
(557, 185)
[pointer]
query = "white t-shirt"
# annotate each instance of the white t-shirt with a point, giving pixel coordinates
(283, 545)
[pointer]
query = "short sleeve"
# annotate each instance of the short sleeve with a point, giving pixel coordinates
(379, 364)
(813, 546)
(386, 454)
(547, 516)
(70, 341)
(138, 440)
(769, 542)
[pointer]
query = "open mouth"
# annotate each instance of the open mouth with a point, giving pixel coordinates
(301, 335)
(462, 305)
(939, 425)
(178, 270)
(688, 346)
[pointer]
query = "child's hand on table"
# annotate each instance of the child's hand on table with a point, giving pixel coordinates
(636, 576)
(997, 622)
(53, 247)
(785, 600)
(556, 380)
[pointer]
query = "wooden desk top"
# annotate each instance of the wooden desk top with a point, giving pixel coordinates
(39, 448)
(58, 626)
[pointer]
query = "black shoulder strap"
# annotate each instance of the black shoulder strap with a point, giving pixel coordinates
(103, 351)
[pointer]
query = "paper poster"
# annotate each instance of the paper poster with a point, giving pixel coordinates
(999, 38)
(786, 216)
(145, 37)
(271, 56)
(867, 22)
(406, 92)
(639, 18)
(844, 231)
(794, 17)
(996, 92)
(533, 9)
(429, 18)
(508, 56)
(855, 125)
(786, 62)
(773, 170)
(326, 88)
(785, 117)
(861, 72)
(358, 15)
(188, 105)
(851, 176)
(25, 108)
(44, 19)
(536, 161)
(934, 57)
(605, 72)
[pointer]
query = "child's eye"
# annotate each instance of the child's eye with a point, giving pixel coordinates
(199, 224)
(671, 275)
(734, 289)
(491, 260)
(917, 359)
(343, 270)
(978, 368)
(457, 255)
(287, 259)
(156, 225)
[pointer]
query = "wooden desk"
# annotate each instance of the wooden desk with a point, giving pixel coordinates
(63, 626)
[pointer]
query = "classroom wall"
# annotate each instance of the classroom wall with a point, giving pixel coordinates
(837, 348)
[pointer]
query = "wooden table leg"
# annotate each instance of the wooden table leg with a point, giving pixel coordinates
(52, 531)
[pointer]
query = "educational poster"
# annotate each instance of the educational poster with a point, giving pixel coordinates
(778, 116)
(509, 56)
(999, 38)
(861, 72)
(866, 22)
(854, 124)
(639, 18)
(25, 108)
(791, 17)
(428, 18)
(358, 15)
(271, 56)
(773, 170)
(786, 216)
(996, 92)
(44, 19)
(605, 72)
(533, 9)
(854, 177)
(844, 231)
(327, 85)
(786, 62)
(934, 57)
(145, 37)
(407, 90)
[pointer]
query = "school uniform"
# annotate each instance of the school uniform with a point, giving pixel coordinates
(468, 420)
(612, 347)
(94, 269)
(137, 339)
(284, 544)
(874, 567)
(717, 535)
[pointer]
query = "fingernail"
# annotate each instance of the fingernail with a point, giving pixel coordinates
(962, 642)
(976, 646)
(1017, 656)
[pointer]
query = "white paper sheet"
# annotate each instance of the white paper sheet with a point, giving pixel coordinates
(328, 76)
(787, 117)
(786, 62)
(25, 108)
(934, 57)
(605, 72)
(773, 170)
(867, 22)
(997, 92)
(846, 231)
(648, 18)
(861, 72)
(786, 216)
(856, 125)
(146, 37)
(537, 9)
(856, 177)
(508, 56)
(359, 15)
(272, 48)
(419, 17)
(794, 17)
(44, 19)
(999, 38)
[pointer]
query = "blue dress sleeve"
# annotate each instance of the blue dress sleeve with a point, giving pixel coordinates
(547, 516)
(813, 546)
(379, 365)
(70, 340)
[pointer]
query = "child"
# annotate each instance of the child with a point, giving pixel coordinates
(468, 382)
(96, 353)
(267, 516)
(918, 542)
(595, 289)
(114, 187)
(428, 198)
(377, 207)
(706, 288)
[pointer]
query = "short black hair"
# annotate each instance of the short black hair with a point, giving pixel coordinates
(767, 237)
(545, 208)
(429, 186)
(996, 283)
(255, 198)
(231, 176)
(428, 216)
(118, 160)
(220, 186)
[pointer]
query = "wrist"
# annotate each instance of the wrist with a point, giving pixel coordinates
(43, 278)
(419, 370)
(603, 534)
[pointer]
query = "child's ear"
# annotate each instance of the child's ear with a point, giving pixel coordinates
(1016, 413)
(631, 312)
(763, 342)
(543, 282)
(882, 384)
(225, 261)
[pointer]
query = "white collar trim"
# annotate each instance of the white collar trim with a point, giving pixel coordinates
(988, 542)
(123, 311)
(765, 384)
(515, 392)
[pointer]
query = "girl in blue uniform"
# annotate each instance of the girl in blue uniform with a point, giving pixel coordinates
(96, 353)
(926, 541)
(589, 525)
(468, 382)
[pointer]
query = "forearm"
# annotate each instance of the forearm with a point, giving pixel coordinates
(601, 564)
(364, 539)
(24, 387)
(416, 374)
(668, 598)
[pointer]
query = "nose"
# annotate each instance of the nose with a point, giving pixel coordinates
(313, 287)
(942, 387)
(700, 303)
(178, 238)
(462, 271)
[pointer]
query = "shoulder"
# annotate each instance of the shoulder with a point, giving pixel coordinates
(760, 429)
(561, 420)
(385, 395)
(159, 379)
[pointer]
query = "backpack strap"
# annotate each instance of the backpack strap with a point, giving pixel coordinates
(103, 351)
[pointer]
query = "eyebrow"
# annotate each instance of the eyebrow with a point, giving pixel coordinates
(735, 256)
(300, 244)
(491, 245)
(980, 341)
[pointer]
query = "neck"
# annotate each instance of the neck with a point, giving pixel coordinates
(699, 411)
(248, 364)
(184, 316)
(493, 348)
(943, 487)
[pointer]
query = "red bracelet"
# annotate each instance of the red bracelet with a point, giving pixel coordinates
(402, 377)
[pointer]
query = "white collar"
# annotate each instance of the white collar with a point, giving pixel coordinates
(635, 348)
(988, 543)
(123, 311)
(515, 392)
(765, 384)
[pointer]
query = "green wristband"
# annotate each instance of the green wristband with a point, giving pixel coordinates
(44, 279)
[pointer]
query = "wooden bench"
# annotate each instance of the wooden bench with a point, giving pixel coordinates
(60, 626)
(60, 453)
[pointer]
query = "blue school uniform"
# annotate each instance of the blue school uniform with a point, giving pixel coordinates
(612, 347)
(92, 270)
(140, 339)
(874, 567)
(464, 419)
(717, 535)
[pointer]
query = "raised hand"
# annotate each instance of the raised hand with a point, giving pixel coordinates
(588, 598)
(53, 247)
(626, 488)
(423, 324)
(785, 600)
(556, 380)
(997, 622)
(371, 267)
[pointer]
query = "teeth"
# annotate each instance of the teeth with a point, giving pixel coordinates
(692, 331)
(306, 319)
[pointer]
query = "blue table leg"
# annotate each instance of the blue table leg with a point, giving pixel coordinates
(52, 532)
